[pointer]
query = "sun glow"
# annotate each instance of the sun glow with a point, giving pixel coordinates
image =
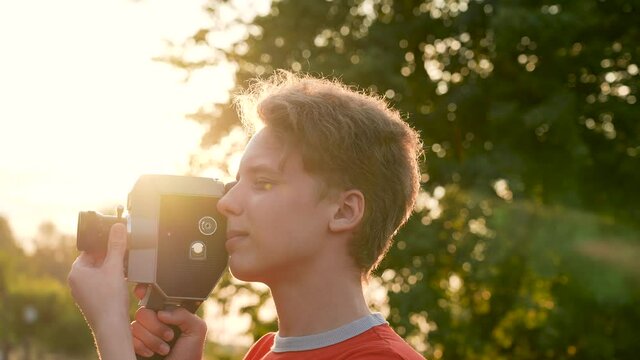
(85, 110)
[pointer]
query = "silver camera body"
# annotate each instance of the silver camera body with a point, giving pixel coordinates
(175, 238)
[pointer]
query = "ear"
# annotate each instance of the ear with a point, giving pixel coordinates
(348, 212)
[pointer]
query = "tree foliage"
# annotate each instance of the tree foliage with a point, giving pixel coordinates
(524, 236)
(37, 308)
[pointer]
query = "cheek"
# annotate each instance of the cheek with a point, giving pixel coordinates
(296, 213)
(284, 224)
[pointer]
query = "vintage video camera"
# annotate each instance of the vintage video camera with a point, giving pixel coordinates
(175, 238)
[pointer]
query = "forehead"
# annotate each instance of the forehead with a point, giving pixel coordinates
(265, 149)
(269, 153)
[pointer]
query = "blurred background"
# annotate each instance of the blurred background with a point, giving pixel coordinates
(525, 241)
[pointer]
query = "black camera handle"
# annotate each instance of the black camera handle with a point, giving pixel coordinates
(155, 301)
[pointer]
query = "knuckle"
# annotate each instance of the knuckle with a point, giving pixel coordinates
(142, 315)
(71, 279)
(138, 316)
(117, 244)
(199, 325)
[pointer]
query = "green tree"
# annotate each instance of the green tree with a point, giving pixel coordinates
(522, 235)
(37, 309)
(54, 253)
(8, 250)
(43, 312)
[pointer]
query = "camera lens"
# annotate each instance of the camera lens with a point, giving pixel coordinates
(93, 231)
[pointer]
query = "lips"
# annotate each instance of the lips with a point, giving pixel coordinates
(233, 238)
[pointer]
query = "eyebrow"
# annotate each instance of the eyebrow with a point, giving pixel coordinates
(260, 168)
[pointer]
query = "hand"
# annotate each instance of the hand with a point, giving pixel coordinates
(98, 285)
(97, 280)
(151, 332)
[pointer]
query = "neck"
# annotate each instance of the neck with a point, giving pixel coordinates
(319, 299)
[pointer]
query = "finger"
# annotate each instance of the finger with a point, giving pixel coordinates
(117, 246)
(149, 340)
(139, 347)
(140, 291)
(149, 320)
(187, 322)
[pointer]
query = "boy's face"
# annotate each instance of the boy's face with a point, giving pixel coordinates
(276, 222)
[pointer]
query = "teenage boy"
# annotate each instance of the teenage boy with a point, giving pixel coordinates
(321, 189)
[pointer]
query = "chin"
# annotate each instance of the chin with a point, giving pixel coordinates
(243, 271)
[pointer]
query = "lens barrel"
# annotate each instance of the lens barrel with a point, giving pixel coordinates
(93, 231)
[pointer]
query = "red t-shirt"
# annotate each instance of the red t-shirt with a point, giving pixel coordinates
(378, 343)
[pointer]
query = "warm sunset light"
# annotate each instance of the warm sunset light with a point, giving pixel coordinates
(435, 179)
(85, 109)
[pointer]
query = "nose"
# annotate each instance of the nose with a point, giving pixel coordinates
(229, 185)
(228, 203)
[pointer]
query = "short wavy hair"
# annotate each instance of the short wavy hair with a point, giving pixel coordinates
(351, 140)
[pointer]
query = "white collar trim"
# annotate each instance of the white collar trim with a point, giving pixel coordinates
(328, 338)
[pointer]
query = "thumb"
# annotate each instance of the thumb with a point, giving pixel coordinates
(117, 245)
(189, 324)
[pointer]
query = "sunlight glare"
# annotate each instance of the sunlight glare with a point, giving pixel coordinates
(86, 110)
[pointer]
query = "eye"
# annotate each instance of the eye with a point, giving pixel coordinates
(263, 184)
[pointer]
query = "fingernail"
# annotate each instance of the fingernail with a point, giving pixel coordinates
(168, 335)
(164, 349)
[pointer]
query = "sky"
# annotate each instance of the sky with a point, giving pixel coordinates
(84, 108)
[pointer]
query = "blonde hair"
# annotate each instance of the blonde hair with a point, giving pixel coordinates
(351, 140)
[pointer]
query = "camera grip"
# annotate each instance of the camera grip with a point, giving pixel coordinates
(155, 301)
